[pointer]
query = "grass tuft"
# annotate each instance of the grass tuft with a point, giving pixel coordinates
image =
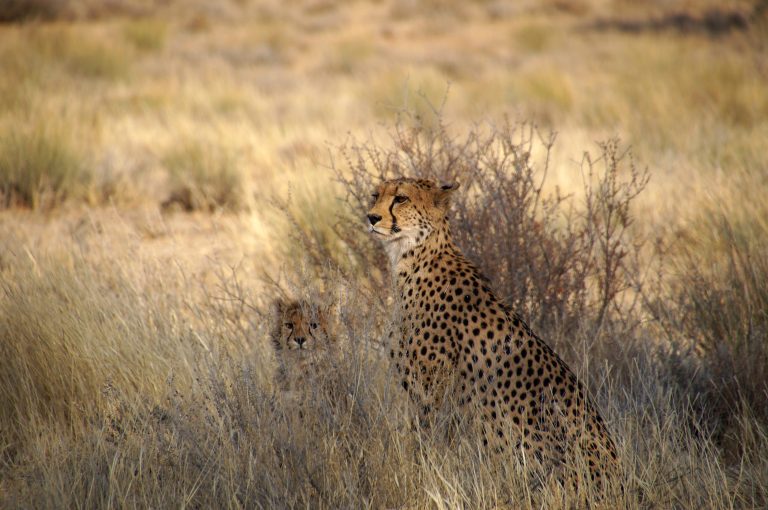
(204, 178)
(40, 167)
(44, 54)
(91, 58)
(534, 37)
(146, 35)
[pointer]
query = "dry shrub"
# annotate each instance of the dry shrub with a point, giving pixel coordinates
(564, 262)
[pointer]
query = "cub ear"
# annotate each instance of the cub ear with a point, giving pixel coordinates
(449, 186)
(278, 307)
(443, 194)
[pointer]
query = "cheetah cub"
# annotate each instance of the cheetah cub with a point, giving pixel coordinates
(457, 336)
(304, 345)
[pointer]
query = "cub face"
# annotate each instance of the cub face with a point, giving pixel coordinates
(300, 327)
(304, 348)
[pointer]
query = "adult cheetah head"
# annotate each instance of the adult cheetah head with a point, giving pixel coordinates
(405, 211)
(300, 327)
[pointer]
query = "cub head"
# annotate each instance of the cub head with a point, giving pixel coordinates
(405, 211)
(300, 327)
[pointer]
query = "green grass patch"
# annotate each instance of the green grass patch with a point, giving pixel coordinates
(146, 35)
(47, 50)
(349, 55)
(418, 93)
(40, 167)
(92, 58)
(534, 37)
(675, 84)
(546, 93)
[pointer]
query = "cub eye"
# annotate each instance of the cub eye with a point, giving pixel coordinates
(313, 325)
(375, 196)
(288, 325)
(399, 199)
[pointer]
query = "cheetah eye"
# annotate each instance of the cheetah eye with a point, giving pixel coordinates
(375, 196)
(399, 199)
(313, 325)
(288, 325)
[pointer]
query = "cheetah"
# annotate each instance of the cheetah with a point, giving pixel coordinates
(302, 340)
(458, 337)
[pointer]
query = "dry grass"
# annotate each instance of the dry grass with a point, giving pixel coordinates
(136, 365)
(206, 429)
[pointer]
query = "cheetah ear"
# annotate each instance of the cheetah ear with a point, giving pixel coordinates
(443, 194)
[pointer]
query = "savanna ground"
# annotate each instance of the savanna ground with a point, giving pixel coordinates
(167, 169)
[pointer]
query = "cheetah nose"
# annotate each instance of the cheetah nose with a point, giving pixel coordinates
(374, 218)
(300, 341)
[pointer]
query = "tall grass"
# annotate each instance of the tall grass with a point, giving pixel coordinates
(213, 433)
(71, 329)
